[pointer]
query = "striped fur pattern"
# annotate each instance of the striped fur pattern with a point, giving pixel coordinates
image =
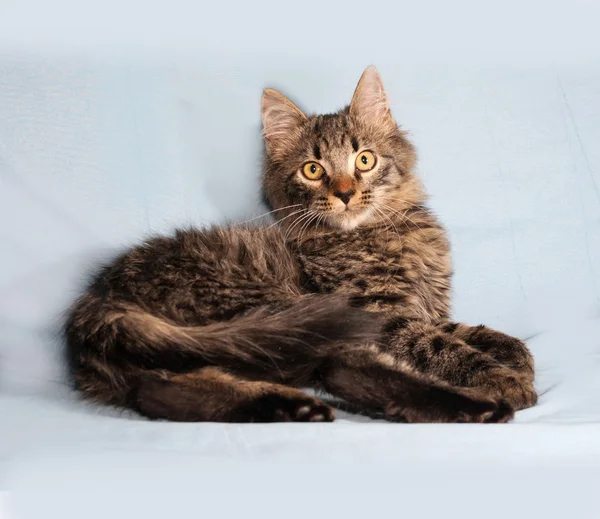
(349, 293)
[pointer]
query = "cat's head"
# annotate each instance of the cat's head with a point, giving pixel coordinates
(340, 170)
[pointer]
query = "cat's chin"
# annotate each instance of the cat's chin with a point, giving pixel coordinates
(349, 220)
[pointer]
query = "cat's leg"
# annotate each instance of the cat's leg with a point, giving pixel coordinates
(377, 382)
(211, 394)
(466, 356)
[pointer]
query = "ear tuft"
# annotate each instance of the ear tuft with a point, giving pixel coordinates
(370, 100)
(281, 119)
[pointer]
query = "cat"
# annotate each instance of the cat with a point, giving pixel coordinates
(348, 293)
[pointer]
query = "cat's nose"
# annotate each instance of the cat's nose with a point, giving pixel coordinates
(345, 196)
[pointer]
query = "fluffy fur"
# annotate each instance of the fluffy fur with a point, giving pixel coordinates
(349, 293)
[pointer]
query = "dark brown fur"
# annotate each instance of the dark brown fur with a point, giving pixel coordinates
(350, 294)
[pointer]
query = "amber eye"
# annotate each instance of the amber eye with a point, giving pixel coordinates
(312, 171)
(365, 161)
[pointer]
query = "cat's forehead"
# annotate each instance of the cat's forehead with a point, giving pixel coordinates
(329, 125)
(332, 136)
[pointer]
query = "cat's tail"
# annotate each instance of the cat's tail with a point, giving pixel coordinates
(107, 345)
(267, 337)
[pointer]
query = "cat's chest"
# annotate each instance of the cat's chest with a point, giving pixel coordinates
(352, 261)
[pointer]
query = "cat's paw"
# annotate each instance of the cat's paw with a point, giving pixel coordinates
(507, 350)
(284, 408)
(453, 406)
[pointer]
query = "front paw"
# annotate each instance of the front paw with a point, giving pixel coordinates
(451, 405)
(506, 349)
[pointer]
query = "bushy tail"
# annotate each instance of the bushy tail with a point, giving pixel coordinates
(308, 329)
(102, 338)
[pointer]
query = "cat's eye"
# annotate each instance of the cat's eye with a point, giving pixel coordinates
(365, 161)
(312, 171)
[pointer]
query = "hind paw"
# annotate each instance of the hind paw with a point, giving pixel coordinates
(284, 408)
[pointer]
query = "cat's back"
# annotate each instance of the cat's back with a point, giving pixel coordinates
(223, 247)
(193, 264)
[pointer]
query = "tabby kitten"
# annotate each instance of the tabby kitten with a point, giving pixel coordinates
(349, 294)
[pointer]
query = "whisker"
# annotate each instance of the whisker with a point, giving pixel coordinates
(286, 217)
(382, 213)
(300, 218)
(380, 222)
(321, 219)
(307, 218)
(399, 214)
(270, 212)
(307, 224)
(297, 220)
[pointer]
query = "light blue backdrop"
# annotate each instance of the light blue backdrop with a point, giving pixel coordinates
(123, 118)
(119, 121)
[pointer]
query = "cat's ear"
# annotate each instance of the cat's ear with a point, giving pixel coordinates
(281, 119)
(370, 100)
